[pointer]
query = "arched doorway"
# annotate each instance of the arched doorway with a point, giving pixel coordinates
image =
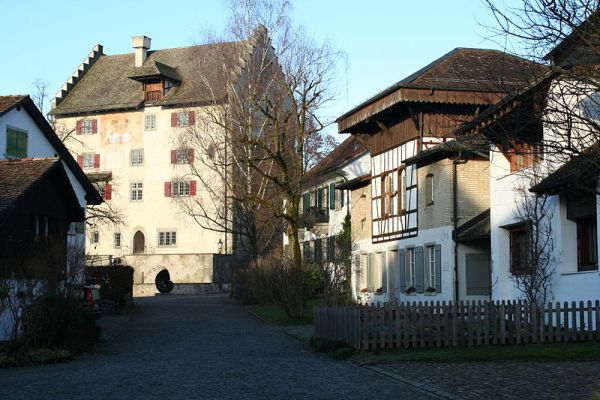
(139, 243)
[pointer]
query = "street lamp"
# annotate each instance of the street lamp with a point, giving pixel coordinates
(219, 266)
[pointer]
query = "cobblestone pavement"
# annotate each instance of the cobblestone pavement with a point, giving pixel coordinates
(200, 347)
(500, 380)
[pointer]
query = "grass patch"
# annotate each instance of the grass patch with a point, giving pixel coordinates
(275, 314)
(582, 351)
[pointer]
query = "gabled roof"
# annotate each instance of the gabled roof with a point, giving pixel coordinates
(343, 153)
(19, 176)
(92, 196)
(587, 31)
(7, 103)
(580, 172)
(107, 86)
(462, 69)
(506, 105)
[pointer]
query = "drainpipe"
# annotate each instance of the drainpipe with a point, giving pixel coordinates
(455, 163)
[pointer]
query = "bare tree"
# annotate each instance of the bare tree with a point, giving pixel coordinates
(564, 35)
(276, 81)
(533, 273)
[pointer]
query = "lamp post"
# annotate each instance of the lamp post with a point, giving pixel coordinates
(219, 266)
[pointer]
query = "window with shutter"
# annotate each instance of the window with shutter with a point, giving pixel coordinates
(88, 161)
(410, 273)
(332, 196)
(16, 143)
(430, 269)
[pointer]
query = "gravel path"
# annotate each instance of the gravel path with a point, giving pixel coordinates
(188, 347)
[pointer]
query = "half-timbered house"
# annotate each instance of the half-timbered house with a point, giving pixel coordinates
(417, 113)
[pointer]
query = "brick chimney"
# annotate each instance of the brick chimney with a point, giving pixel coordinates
(141, 45)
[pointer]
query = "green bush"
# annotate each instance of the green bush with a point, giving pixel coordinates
(53, 321)
(116, 283)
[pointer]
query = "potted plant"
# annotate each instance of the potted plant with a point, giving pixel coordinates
(410, 289)
(430, 290)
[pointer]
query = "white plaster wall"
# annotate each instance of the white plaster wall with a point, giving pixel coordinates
(441, 236)
(567, 284)
(118, 133)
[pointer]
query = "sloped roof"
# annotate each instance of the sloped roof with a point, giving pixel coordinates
(468, 145)
(10, 102)
(19, 176)
(7, 103)
(477, 228)
(465, 69)
(580, 172)
(344, 152)
(107, 85)
(586, 31)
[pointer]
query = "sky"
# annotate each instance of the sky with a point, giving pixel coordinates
(383, 40)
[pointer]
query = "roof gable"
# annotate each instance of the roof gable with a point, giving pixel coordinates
(92, 196)
(480, 71)
(198, 68)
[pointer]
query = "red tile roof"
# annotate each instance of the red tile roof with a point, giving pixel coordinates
(8, 102)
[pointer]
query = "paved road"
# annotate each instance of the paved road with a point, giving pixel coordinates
(200, 347)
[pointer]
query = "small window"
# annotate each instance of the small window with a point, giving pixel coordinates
(167, 238)
(88, 161)
(150, 122)
(386, 195)
(137, 191)
(95, 238)
(587, 244)
(180, 188)
(402, 191)
(429, 190)
(519, 249)
(16, 143)
(181, 156)
(183, 118)
(430, 270)
(86, 127)
(410, 273)
(117, 240)
(136, 157)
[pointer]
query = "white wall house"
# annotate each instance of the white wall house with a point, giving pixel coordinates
(410, 256)
(128, 139)
(24, 132)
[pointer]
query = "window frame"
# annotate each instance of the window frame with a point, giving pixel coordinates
(94, 237)
(169, 238)
(183, 118)
(19, 133)
(182, 186)
(86, 127)
(117, 240)
(152, 118)
(85, 163)
(136, 188)
(140, 154)
(429, 192)
(430, 269)
(523, 230)
(591, 243)
(410, 274)
(402, 206)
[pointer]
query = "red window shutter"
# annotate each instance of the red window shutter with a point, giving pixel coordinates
(107, 191)
(192, 188)
(173, 119)
(167, 189)
(190, 155)
(78, 128)
(173, 156)
(80, 161)
(94, 125)
(192, 118)
(96, 160)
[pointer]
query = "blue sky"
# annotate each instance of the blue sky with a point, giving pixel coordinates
(384, 40)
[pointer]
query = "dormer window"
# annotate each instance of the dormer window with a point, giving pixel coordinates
(153, 91)
(158, 79)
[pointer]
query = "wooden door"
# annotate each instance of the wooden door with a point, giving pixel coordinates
(139, 243)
